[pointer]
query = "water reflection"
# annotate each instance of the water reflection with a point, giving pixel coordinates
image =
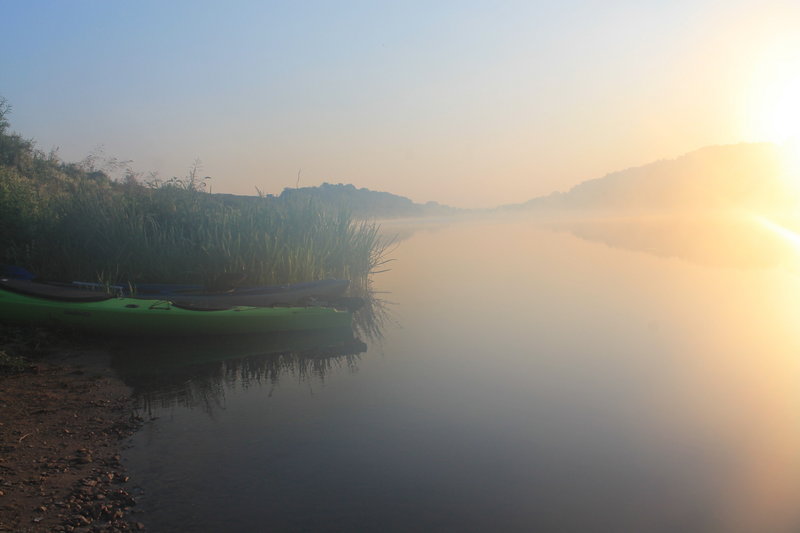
(370, 320)
(397, 230)
(715, 240)
(196, 372)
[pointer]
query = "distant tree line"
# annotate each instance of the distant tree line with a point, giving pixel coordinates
(366, 203)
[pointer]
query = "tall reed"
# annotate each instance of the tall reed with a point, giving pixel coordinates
(172, 234)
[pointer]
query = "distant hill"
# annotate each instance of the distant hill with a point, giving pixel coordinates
(731, 176)
(366, 203)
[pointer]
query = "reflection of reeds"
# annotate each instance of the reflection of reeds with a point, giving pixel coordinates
(180, 372)
(204, 386)
(369, 321)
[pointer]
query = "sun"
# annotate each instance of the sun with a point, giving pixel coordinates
(780, 117)
(772, 94)
(772, 105)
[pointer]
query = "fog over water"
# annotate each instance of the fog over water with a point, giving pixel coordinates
(618, 375)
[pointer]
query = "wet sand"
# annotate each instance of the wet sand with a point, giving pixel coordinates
(63, 423)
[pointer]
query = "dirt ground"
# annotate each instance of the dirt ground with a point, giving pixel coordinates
(63, 423)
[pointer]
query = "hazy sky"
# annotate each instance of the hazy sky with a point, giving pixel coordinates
(467, 103)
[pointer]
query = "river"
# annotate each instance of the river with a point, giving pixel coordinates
(529, 375)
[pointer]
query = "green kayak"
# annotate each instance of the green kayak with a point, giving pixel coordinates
(28, 302)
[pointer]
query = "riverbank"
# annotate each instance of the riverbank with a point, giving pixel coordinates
(64, 422)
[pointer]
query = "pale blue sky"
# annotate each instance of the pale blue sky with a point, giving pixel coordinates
(467, 103)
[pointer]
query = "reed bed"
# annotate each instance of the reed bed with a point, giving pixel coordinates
(122, 233)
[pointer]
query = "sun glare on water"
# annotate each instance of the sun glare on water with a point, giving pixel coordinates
(783, 232)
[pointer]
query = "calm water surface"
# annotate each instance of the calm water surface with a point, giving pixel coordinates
(615, 376)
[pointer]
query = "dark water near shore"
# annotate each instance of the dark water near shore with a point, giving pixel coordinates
(606, 376)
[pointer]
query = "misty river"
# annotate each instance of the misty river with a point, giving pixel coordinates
(529, 375)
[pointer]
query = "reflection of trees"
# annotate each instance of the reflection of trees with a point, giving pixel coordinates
(401, 229)
(196, 372)
(735, 241)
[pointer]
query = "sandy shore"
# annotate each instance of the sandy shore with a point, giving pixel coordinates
(63, 423)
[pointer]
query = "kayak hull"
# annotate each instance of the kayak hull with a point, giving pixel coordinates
(323, 291)
(137, 316)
